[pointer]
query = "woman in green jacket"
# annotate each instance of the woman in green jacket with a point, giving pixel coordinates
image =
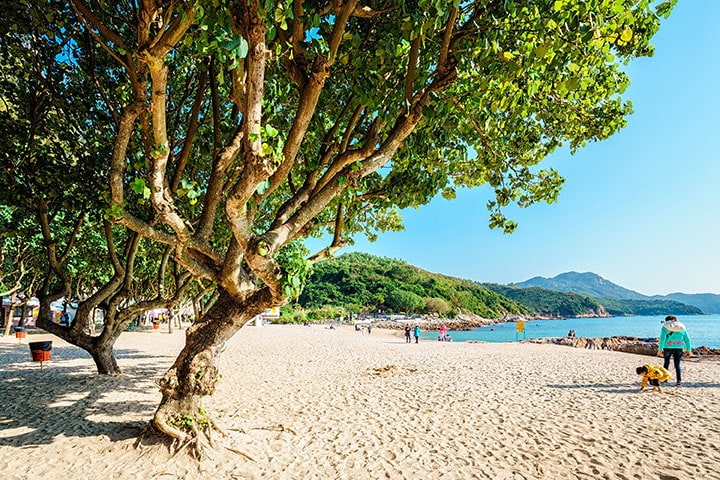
(674, 340)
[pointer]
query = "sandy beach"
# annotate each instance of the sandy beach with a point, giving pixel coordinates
(313, 403)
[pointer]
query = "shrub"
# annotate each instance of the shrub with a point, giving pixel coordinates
(404, 301)
(436, 305)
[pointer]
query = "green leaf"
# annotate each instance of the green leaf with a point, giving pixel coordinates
(626, 35)
(138, 185)
(262, 187)
(270, 131)
(242, 50)
(507, 56)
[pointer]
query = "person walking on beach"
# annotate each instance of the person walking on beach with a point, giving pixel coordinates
(417, 333)
(674, 340)
(407, 334)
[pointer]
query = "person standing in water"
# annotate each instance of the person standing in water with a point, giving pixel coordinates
(674, 340)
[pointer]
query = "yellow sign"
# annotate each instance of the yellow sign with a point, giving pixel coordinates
(519, 327)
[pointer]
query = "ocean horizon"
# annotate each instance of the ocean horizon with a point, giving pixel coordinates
(704, 330)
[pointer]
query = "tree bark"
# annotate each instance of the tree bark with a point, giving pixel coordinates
(194, 374)
(8, 320)
(99, 347)
(104, 357)
(9, 316)
(23, 314)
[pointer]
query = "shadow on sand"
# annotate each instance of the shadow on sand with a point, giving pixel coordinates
(635, 387)
(38, 405)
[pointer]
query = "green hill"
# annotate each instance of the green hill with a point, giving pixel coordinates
(549, 302)
(358, 281)
(707, 302)
(647, 307)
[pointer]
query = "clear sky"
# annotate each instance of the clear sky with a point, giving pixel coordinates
(641, 209)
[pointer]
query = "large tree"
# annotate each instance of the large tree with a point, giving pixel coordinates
(57, 118)
(249, 125)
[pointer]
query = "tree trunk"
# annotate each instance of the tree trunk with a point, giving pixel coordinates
(7, 319)
(102, 354)
(170, 317)
(23, 315)
(194, 374)
(99, 347)
(9, 316)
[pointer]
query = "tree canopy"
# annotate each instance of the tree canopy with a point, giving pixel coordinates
(231, 130)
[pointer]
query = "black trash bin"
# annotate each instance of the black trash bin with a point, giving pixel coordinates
(20, 332)
(40, 351)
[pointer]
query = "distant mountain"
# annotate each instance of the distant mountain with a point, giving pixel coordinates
(707, 302)
(588, 283)
(619, 300)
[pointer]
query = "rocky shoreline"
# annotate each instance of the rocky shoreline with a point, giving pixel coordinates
(639, 346)
(460, 322)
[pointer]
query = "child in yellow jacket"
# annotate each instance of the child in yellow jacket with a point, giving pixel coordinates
(652, 374)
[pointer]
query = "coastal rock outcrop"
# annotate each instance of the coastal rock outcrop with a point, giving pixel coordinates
(460, 322)
(463, 321)
(639, 346)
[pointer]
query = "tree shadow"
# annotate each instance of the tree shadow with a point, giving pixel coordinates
(603, 387)
(634, 387)
(74, 400)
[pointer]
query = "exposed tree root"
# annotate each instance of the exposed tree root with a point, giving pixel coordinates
(242, 454)
(184, 446)
(276, 428)
(198, 439)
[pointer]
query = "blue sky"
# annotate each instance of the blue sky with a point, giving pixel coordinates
(641, 209)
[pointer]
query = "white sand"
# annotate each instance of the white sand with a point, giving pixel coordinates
(354, 406)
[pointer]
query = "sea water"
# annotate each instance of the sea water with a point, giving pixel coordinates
(704, 330)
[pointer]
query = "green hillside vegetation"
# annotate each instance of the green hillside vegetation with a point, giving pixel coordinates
(647, 307)
(361, 282)
(548, 302)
